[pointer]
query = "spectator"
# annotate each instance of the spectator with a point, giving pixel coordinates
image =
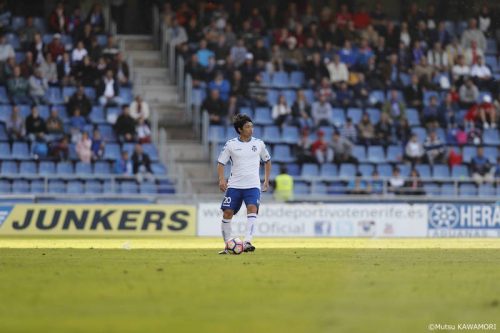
(27, 33)
(239, 87)
(248, 68)
(434, 149)
(38, 87)
(283, 189)
(222, 85)
(364, 54)
(79, 100)
(394, 107)
(322, 112)
(320, 149)
(342, 149)
(460, 71)
(123, 166)
(437, 57)
(85, 73)
(396, 182)
(55, 125)
(59, 150)
(143, 131)
(383, 129)
(487, 113)
(338, 70)
(15, 125)
(125, 126)
(196, 70)
(120, 69)
(344, 96)
(108, 90)
(448, 109)
(414, 185)
(482, 75)
(77, 125)
(35, 125)
(141, 164)
(83, 148)
(58, 21)
(403, 131)
(96, 18)
(469, 94)
(39, 148)
(98, 145)
(303, 149)
(75, 21)
(48, 69)
(362, 18)
(473, 53)
(261, 54)
(348, 131)
(257, 91)
(472, 33)
(281, 112)
(433, 118)
(56, 47)
(414, 93)
(18, 88)
(27, 65)
(176, 33)
(497, 170)
(348, 55)
(315, 70)
(414, 151)
(293, 56)
(216, 108)
(441, 35)
(237, 53)
(301, 111)
(366, 130)
(37, 47)
(110, 50)
(64, 71)
(139, 108)
(358, 185)
(79, 52)
(424, 72)
(480, 167)
(485, 20)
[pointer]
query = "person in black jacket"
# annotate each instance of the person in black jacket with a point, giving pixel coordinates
(81, 101)
(35, 125)
(141, 164)
(125, 126)
(216, 108)
(108, 90)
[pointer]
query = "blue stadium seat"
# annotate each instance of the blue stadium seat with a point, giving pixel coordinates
(27, 167)
(37, 186)
(9, 167)
(5, 151)
(297, 79)
(376, 154)
(257, 132)
(440, 171)
(74, 187)
(158, 169)
(355, 114)
(148, 188)
(309, 94)
(17, 22)
(128, 187)
(384, 170)
(359, 152)
(112, 114)
(366, 169)
(301, 188)
(319, 188)
(421, 133)
(56, 186)
(271, 134)
(448, 189)
(428, 94)
(290, 135)
(432, 189)
(376, 97)
(198, 95)
(25, 110)
(486, 190)
(112, 151)
(467, 190)
(336, 188)
(5, 186)
(266, 78)
(246, 110)
(67, 92)
(374, 115)
(282, 153)
(20, 151)
(90, 92)
(280, 80)
(491, 46)
(129, 147)
(107, 133)
(394, 153)
(424, 170)
(13, 39)
(93, 186)
(4, 98)
(347, 170)
(64, 168)
(491, 61)
(3, 133)
(216, 133)
(272, 96)
(72, 152)
(102, 39)
(20, 57)
(338, 117)
(405, 170)
(20, 186)
(97, 115)
(468, 153)
(47, 168)
(491, 153)
(290, 96)
(102, 168)
(413, 117)
(83, 169)
(263, 116)
(328, 170)
(309, 170)
(460, 172)
(126, 95)
(54, 96)
(150, 149)
(490, 137)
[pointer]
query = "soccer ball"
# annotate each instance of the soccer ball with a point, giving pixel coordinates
(234, 246)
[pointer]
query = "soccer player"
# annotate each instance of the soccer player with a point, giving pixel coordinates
(245, 153)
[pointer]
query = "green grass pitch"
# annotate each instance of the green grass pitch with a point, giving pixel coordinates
(288, 285)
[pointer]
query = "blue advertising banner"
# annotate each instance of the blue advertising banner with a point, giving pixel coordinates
(464, 220)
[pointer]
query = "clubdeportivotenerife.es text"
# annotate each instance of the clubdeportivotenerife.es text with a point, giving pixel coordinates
(462, 327)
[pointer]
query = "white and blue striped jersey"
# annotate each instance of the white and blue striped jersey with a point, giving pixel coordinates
(245, 160)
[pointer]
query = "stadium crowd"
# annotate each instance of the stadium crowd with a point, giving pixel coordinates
(64, 78)
(428, 70)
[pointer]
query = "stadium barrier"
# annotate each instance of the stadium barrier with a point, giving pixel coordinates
(348, 219)
(147, 220)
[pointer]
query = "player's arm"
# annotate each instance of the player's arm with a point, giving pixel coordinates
(222, 179)
(267, 174)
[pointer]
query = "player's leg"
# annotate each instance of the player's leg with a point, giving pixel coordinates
(230, 205)
(252, 201)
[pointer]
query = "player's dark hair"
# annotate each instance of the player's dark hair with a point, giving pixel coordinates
(240, 120)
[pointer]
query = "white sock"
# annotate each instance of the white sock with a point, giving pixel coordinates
(251, 218)
(226, 229)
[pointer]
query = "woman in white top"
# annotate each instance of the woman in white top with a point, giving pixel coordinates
(404, 35)
(83, 148)
(414, 150)
(79, 53)
(143, 131)
(139, 108)
(281, 111)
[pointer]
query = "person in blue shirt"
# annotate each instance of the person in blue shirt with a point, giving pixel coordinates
(359, 185)
(204, 54)
(123, 165)
(480, 167)
(348, 55)
(222, 85)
